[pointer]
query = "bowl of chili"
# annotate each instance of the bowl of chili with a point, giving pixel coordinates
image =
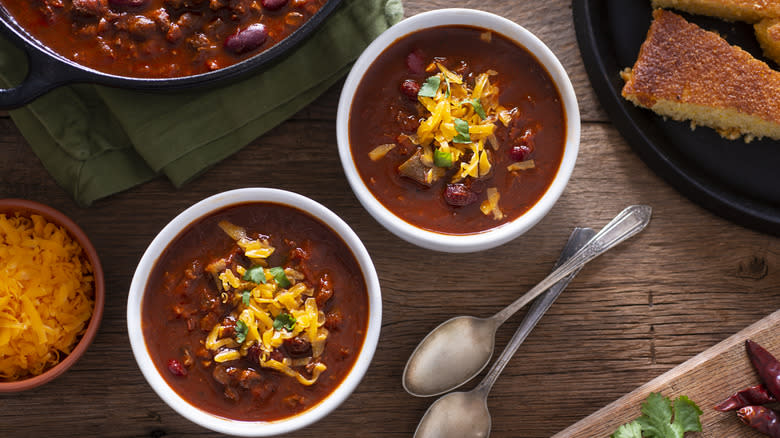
(458, 130)
(255, 312)
(53, 294)
(151, 44)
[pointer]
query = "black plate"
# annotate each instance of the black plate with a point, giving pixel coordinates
(738, 181)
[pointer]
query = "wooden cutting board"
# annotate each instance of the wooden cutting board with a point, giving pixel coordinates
(707, 379)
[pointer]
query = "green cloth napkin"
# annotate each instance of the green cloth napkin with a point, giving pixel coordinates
(98, 140)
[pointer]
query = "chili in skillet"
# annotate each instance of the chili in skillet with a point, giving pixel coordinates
(160, 38)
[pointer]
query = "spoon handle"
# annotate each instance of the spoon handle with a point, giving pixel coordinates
(627, 223)
(578, 238)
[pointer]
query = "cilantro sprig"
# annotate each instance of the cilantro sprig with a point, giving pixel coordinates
(280, 277)
(284, 320)
(241, 331)
(430, 87)
(462, 128)
(255, 274)
(663, 419)
(477, 104)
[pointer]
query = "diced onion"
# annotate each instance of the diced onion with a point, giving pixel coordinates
(380, 151)
(521, 165)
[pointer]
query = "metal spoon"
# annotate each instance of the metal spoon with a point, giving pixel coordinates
(459, 348)
(465, 414)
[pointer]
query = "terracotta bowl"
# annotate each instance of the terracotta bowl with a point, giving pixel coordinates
(10, 206)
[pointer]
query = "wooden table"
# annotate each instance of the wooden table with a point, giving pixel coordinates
(688, 281)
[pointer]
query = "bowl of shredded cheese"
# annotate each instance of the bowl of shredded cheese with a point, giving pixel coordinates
(51, 294)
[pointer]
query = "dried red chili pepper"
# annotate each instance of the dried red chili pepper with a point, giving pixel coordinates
(753, 396)
(761, 419)
(767, 366)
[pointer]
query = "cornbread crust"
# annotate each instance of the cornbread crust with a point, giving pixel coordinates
(687, 73)
(750, 11)
(768, 35)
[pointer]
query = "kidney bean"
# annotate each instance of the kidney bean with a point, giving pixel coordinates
(520, 152)
(415, 61)
(276, 355)
(273, 5)
(297, 346)
(254, 353)
(410, 88)
(176, 368)
(459, 195)
(247, 39)
(128, 3)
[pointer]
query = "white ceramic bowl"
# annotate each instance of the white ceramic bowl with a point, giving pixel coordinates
(204, 208)
(503, 233)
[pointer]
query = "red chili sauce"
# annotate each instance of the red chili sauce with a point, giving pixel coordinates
(183, 302)
(160, 38)
(385, 105)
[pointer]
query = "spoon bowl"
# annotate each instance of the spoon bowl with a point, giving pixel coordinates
(445, 417)
(475, 339)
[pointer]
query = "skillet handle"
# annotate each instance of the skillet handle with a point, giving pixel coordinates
(44, 72)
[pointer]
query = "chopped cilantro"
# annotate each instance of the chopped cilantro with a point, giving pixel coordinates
(441, 158)
(241, 330)
(280, 277)
(284, 320)
(245, 297)
(477, 104)
(255, 274)
(430, 87)
(462, 128)
(663, 419)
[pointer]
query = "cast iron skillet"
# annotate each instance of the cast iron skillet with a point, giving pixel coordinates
(48, 69)
(732, 179)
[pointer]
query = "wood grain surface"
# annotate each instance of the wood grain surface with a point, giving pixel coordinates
(708, 378)
(689, 281)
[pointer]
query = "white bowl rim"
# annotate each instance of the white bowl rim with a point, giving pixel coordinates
(202, 209)
(495, 236)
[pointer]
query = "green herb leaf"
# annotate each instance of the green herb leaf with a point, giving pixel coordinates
(280, 277)
(441, 158)
(656, 420)
(241, 331)
(628, 430)
(462, 128)
(245, 297)
(477, 104)
(686, 414)
(449, 93)
(284, 320)
(430, 87)
(255, 274)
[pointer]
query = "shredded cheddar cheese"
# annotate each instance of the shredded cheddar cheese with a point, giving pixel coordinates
(46, 295)
(279, 308)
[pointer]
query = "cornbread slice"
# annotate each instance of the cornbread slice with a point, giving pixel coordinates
(731, 10)
(687, 73)
(768, 35)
